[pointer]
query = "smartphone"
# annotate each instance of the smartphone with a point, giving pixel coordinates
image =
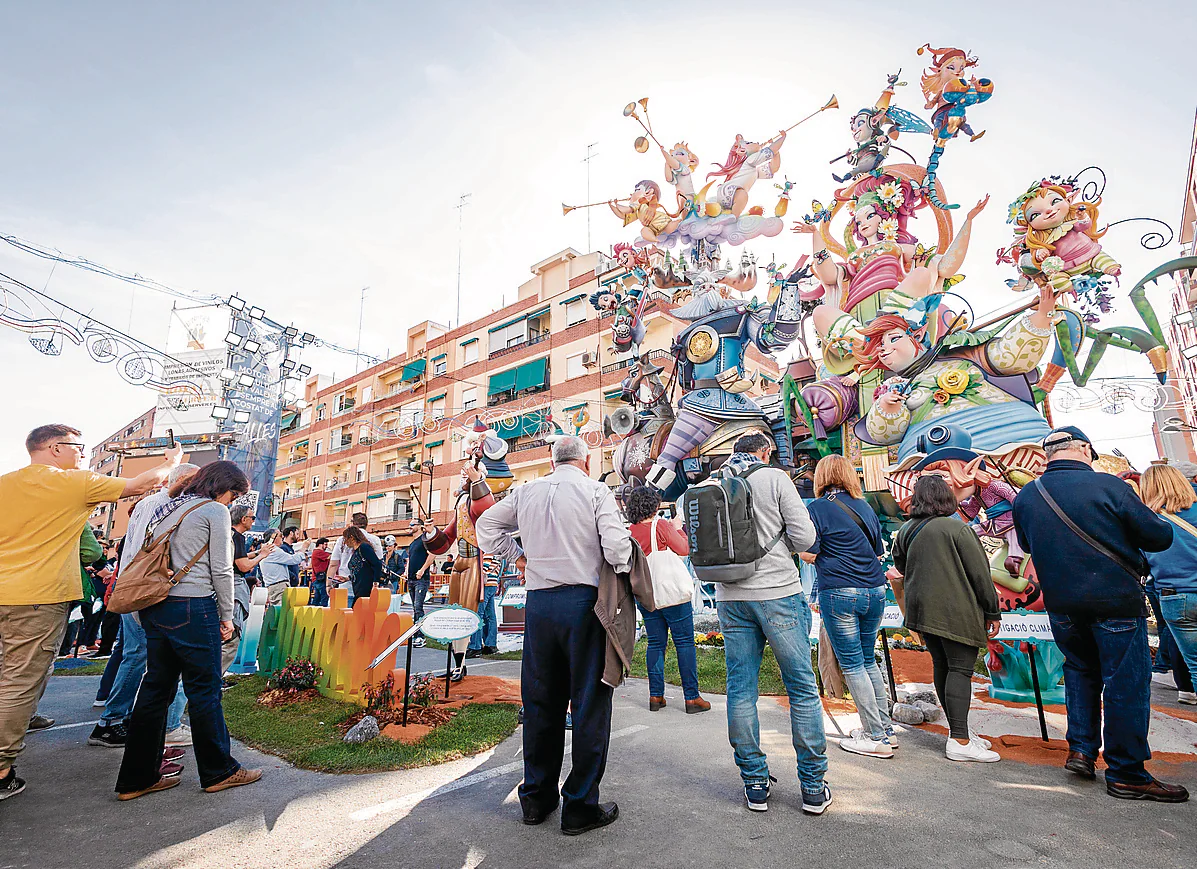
(170, 433)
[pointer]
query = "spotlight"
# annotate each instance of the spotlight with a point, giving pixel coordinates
(291, 332)
(241, 416)
(246, 380)
(252, 347)
(286, 365)
(301, 405)
(307, 338)
(227, 375)
(256, 313)
(236, 303)
(1190, 352)
(304, 370)
(233, 339)
(1184, 318)
(220, 411)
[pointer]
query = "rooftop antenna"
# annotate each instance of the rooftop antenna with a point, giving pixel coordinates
(589, 156)
(460, 206)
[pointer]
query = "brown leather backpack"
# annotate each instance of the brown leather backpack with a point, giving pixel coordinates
(149, 577)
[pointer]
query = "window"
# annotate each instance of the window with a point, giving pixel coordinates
(380, 508)
(402, 510)
(469, 352)
(319, 447)
(359, 474)
(440, 365)
(411, 414)
(311, 520)
(469, 398)
(575, 312)
(509, 336)
(436, 408)
(305, 417)
(436, 501)
(363, 433)
(574, 367)
(390, 469)
(437, 453)
(367, 394)
(315, 482)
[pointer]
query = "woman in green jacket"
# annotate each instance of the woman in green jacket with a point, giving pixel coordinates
(950, 601)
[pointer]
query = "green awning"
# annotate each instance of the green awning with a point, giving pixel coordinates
(613, 393)
(469, 341)
(413, 369)
(436, 397)
(508, 323)
(442, 356)
(380, 495)
(433, 444)
(502, 382)
(572, 299)
(286, 420)
(532, 375)
(524, 424)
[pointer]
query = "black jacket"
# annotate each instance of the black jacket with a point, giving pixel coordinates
(1077, 580)
(366, 569)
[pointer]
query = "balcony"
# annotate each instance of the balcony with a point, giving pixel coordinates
(392, 475)
(343, 445)
(504, 351)
(626, 363)
(345, 408)
(530, 445)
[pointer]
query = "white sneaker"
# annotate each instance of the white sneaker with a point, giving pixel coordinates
(180, 736)
(970, 751)
(1188, 698)
(418, 642)
(866, 745)
(891, 736)
(1164, 679)
(99, 704)
(976, 737)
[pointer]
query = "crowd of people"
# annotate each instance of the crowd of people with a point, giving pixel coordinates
(1094, 540)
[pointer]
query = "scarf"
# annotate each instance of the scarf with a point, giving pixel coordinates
(738, 463)
(164, 511)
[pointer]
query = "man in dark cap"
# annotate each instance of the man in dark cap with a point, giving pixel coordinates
(1086, 532)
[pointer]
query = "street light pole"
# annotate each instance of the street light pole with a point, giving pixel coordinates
(460, 206)
(589, 156)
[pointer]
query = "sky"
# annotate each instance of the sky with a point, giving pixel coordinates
(296, 153)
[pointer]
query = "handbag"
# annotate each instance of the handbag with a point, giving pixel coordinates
(1136, 572)
(149, 577)
(855, 518)
(672, 583)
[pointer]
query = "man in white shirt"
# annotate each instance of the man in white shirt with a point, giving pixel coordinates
(276, 568)
(338, 561)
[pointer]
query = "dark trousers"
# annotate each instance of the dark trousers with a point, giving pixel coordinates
(114, 664)
(182, 638)
(953, 664)
(319, 593)
(564, 654)
(1167, 656)
(1107, 657)
(109, 625)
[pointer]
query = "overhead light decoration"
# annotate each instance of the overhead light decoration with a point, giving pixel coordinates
(307, 338)
(1184, 318)
(304, 370)
(251, 347)
(220, 412)
(236, 303)
(256, 313)
(233, 339)
(240, 416)
(300, 404)
(1190, 352)
(227, 375)
(246, 380)
(291, 332)
(286, 365)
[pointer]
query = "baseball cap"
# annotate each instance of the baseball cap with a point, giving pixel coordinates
(389, 540)
(1189, 469)
(1066, 433)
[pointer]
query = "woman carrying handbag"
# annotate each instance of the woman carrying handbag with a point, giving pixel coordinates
(673, 589)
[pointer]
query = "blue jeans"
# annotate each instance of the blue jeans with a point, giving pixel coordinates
(852, 617)
(488, 633)
(419, 591)
(1168, 658)
(319, 593)
(1107, 656)
(1180, 612)
(679, 621)
(785, 624)
(129, 677)
(110, 668)
(182, 638)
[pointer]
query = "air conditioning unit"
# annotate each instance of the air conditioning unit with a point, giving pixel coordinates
(366, 440)
(590, 359)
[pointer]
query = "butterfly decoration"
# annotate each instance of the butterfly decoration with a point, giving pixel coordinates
(821, 214)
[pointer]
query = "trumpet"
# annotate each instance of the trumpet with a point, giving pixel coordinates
(629, 111)
(566, 209)
(832, 103)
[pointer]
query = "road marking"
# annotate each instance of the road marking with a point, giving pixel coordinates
(65, 726)
(409, 800)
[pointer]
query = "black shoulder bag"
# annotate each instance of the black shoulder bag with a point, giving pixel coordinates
(1076, 529)
(864, 529)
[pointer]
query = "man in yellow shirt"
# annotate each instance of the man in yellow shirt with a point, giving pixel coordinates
(46, 506)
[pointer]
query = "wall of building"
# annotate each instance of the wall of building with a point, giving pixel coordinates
(109, 520)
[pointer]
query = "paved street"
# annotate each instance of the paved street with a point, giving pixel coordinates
(672, 775)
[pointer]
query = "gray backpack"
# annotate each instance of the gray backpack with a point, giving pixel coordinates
(721, 528)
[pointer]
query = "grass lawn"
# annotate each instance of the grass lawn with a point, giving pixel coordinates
(90, 668)
(306, 735)
(712, 671)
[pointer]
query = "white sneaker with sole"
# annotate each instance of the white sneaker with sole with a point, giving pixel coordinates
(860, 742)
(972, 751)
(1188, 698)
(181, 735)
(976, 737)
(1164, 679)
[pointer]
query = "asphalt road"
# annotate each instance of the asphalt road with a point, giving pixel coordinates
(672, 774)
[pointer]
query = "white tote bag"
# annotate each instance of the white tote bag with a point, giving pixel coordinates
(672, 584)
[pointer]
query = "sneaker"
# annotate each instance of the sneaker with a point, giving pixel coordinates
(225, 684)
(108, 736)
(181, 735)
(172, 753)
(1188, 698)
(861, 743)
(40, 722)
(170, 769)
(891, 736)
(978, 738)
(99, 704)
(241, 777)
(1164, 679)
(816, 804)
(11, 784)
(418, 642)
(458, 673)
(972, 751)
(757, 795)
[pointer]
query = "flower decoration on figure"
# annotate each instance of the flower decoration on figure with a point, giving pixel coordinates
(948, 97)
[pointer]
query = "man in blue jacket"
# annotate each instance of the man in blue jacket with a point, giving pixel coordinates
(1093, 593)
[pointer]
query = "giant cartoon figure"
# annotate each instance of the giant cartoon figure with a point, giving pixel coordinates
(948, 97)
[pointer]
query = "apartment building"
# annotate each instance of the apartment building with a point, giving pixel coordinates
(389, 441)
(110, 520)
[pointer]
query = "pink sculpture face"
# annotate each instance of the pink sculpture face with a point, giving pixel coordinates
(868, 221)
(642, 196)
(1046, 210)
(608, 301)
(898, 350)
(955, 66)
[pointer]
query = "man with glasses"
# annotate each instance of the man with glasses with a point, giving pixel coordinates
(47, 504)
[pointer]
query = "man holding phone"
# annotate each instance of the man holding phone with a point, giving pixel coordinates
(419, 573)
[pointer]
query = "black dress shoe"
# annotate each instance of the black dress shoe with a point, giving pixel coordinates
(607, 813)
(532, 816)
(473, 653)
(1154, 791)
(1081, 765)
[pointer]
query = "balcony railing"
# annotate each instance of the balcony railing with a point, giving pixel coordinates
(503, 351)
(626, 363)
(345, 408)
(530, 445)
(392, 475)
(344, 445)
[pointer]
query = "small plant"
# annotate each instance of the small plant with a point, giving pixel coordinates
(299, 675)
(380, 698)
(422, 691)
(711, 638)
